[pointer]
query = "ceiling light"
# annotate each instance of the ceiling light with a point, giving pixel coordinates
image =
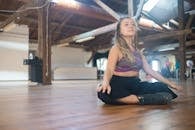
(84, 39)
(140, 43)
(62, 45)
(174, 22)
(69, 2)
(167, 49)
(166, 26)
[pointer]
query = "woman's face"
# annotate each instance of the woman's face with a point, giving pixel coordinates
(127, 27)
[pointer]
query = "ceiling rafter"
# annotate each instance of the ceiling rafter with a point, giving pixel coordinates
(85, 10)
(60, 27)
(65, 20)
(55, 24)
(189, 22)
(190, 43)
(100, 30)
(120, 2)
(80, 26)
(108, 9)
(13, 16)
(165, 35)
(94, 32)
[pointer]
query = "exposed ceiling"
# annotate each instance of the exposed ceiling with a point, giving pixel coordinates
(68, 20)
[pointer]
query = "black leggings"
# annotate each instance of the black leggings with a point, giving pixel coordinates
(125, 86)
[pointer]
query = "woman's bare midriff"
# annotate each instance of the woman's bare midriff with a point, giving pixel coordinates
(127, 74)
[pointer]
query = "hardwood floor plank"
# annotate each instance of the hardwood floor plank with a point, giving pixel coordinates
(73, 105)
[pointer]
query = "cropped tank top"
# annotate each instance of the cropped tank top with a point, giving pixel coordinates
(123, 65)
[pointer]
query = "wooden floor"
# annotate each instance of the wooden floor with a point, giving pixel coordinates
(72, 105)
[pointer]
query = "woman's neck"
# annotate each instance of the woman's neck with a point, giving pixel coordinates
(129, 42)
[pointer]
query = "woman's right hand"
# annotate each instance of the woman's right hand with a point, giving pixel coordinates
(176, 87)
(104, 88)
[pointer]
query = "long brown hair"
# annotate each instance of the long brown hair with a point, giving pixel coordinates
(121, 42)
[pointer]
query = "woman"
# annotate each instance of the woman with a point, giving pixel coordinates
(121, 84)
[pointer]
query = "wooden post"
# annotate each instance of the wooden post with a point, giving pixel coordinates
(44, 44)
(182, 57)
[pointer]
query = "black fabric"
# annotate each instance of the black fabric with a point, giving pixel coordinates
(161, 98)
(107, 99)
(125, 86)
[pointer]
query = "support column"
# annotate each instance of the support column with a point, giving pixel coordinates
(181, 39)
(44, 43)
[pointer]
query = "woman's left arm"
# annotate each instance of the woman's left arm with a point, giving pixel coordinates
(147, 68)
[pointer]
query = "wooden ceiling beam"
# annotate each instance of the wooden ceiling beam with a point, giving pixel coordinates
(189, 22)
(97, 13)
(85, 10)
(150, 45)
(92, 33)
(108, 9)
(32, 20)
(120, 2)
(81, 9)
(165, 35)
(173, 52)
(11, 18)
(60, 27)
(66, 19)
(149, 24)
(190, 43)
(56, 24)
(100, 30)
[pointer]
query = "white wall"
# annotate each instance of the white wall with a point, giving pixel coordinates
(13, 49)
(71, 63)
(69, 57)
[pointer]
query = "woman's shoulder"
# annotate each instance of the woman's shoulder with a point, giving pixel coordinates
(116, 51)
(115, 47)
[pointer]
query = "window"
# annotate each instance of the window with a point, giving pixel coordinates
(156, 65)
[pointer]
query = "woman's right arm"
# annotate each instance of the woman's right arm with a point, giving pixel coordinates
(112, 60)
